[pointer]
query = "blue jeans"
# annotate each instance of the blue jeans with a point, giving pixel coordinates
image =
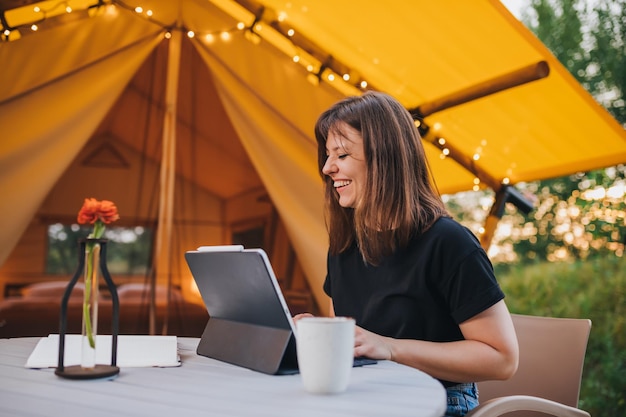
(461, 399)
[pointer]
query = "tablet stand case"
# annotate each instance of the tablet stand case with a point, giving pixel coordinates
(265, 349)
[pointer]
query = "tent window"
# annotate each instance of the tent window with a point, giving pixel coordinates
(253, 237)
(127, 254)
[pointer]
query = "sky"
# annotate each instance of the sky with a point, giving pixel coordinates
(515, 6)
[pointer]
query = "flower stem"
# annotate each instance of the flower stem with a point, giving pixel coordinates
(87, 300)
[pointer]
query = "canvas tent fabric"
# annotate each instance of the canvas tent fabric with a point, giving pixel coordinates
(72, 80)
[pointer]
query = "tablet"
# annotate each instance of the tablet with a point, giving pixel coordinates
(250, 324)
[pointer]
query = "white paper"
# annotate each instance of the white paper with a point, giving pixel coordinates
(132, 351)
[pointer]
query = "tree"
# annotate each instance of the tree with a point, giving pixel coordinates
(581, 215)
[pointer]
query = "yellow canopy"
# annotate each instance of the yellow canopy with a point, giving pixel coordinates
(246, 108)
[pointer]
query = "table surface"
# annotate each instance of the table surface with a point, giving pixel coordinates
(207, 387)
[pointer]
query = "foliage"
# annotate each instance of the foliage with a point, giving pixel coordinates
(577, 217)
(609, 49)
(589, 42)
(130, 254)
(582, 215)
(591, 289)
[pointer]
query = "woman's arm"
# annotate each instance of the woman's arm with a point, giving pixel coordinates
(489, 351)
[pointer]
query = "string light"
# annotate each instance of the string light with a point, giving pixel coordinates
(37, 15)
(318, 63)
(313, 59)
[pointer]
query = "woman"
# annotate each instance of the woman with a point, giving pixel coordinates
(419, 285)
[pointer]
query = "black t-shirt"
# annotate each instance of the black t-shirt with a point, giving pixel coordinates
(424, 291)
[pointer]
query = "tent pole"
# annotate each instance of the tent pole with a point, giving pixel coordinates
(505, 194)
(515, 78)
(167, 180)
(494, 216)
(521, 76)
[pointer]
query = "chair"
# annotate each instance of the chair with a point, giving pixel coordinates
(547, 382)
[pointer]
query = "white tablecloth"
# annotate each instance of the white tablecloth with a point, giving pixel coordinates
(206, 387)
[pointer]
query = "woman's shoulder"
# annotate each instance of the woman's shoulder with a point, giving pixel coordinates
(451, 232)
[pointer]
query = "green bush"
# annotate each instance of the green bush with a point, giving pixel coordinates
(593, 289)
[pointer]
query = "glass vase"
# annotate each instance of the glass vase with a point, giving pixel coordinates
(91, 267)
(91, 279)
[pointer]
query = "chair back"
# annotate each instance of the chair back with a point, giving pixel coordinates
(552, 353)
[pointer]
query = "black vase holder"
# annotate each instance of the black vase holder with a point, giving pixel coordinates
(99, 371)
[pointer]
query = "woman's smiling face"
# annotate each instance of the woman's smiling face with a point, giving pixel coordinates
(345, 164)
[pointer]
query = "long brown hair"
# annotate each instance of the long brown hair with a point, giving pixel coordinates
(400, 199)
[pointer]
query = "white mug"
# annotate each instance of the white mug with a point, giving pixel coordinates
(325, 350)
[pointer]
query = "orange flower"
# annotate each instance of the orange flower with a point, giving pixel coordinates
(94, 210)
(98, 213)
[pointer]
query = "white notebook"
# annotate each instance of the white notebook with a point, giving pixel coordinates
(132, 351)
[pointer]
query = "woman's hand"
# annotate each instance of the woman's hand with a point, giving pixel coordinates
(301, 315)
(371, 345)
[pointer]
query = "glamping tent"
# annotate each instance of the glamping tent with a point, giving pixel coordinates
(196, 116)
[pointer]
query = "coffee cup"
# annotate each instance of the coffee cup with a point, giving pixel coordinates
(325, 351)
